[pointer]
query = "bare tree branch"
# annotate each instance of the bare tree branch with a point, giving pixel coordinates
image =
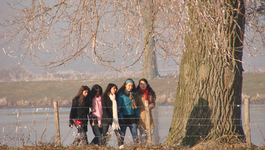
(110, 33)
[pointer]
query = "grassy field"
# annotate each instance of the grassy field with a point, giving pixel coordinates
(34, 91)
(165, 88)
(253, 84)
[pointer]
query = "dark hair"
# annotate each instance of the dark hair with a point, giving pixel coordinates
(150, 90)
(107, 91)
(80, 94)
(94, 90)
(122, 89)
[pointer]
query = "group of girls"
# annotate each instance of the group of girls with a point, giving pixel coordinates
(118, 108)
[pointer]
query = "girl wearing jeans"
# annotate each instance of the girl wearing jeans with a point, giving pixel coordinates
(96, 114)
(110, 112)
(128, 111)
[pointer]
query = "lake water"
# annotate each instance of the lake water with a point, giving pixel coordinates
(26, 126)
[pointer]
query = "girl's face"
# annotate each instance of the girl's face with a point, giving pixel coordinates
(129, 86)
(98, 91)
(143, 85)
(85, 93)
(113, 90)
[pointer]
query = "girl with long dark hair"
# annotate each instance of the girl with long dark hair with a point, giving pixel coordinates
(144, 93)
(96, 114)
(110, 112)
(78, 114)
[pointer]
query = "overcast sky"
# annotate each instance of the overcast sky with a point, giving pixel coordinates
(88, 66)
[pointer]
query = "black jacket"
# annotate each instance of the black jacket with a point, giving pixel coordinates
(107, 116)
(78, 112)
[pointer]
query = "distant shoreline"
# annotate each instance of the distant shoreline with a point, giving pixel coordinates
(253, 102)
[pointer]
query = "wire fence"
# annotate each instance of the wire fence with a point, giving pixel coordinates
(32, 126)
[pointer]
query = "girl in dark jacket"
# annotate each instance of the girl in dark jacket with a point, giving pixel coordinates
(96, 114)
(110, 112)
(78, 114)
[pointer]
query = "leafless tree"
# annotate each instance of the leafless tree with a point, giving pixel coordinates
(209, 36)
(15, 73)
(208, 99)
(110, 33)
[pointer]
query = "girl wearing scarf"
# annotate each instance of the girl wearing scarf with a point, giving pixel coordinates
(78, 114)
(96, 114)
(127, 110)
(145, 93)
(110, 112)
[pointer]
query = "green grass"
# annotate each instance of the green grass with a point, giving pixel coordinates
(34, 91)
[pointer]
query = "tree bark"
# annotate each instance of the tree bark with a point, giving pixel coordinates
(150, 63)
(208, 97)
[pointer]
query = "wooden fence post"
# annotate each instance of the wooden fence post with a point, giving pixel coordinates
(247, 126)
(57, 125)
(148, 125)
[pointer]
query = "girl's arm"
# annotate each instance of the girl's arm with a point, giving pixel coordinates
(120, 106)
(136, 111)
(109, 109)
(106, 108)
(73, 112)
(104, 104)
(153, 102)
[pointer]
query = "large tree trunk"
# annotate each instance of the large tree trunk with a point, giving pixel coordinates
(149, 64)
(208, 99)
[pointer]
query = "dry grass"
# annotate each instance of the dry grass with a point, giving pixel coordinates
(253, 84)
(212, 145)
(209, 145)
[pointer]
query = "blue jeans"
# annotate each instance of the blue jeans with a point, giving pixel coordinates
(133, 129)
(105, 128)
(97, 132)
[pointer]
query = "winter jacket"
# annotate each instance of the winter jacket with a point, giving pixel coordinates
(107, 111)
(125, 105)
(78, 112)
(140, 98)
